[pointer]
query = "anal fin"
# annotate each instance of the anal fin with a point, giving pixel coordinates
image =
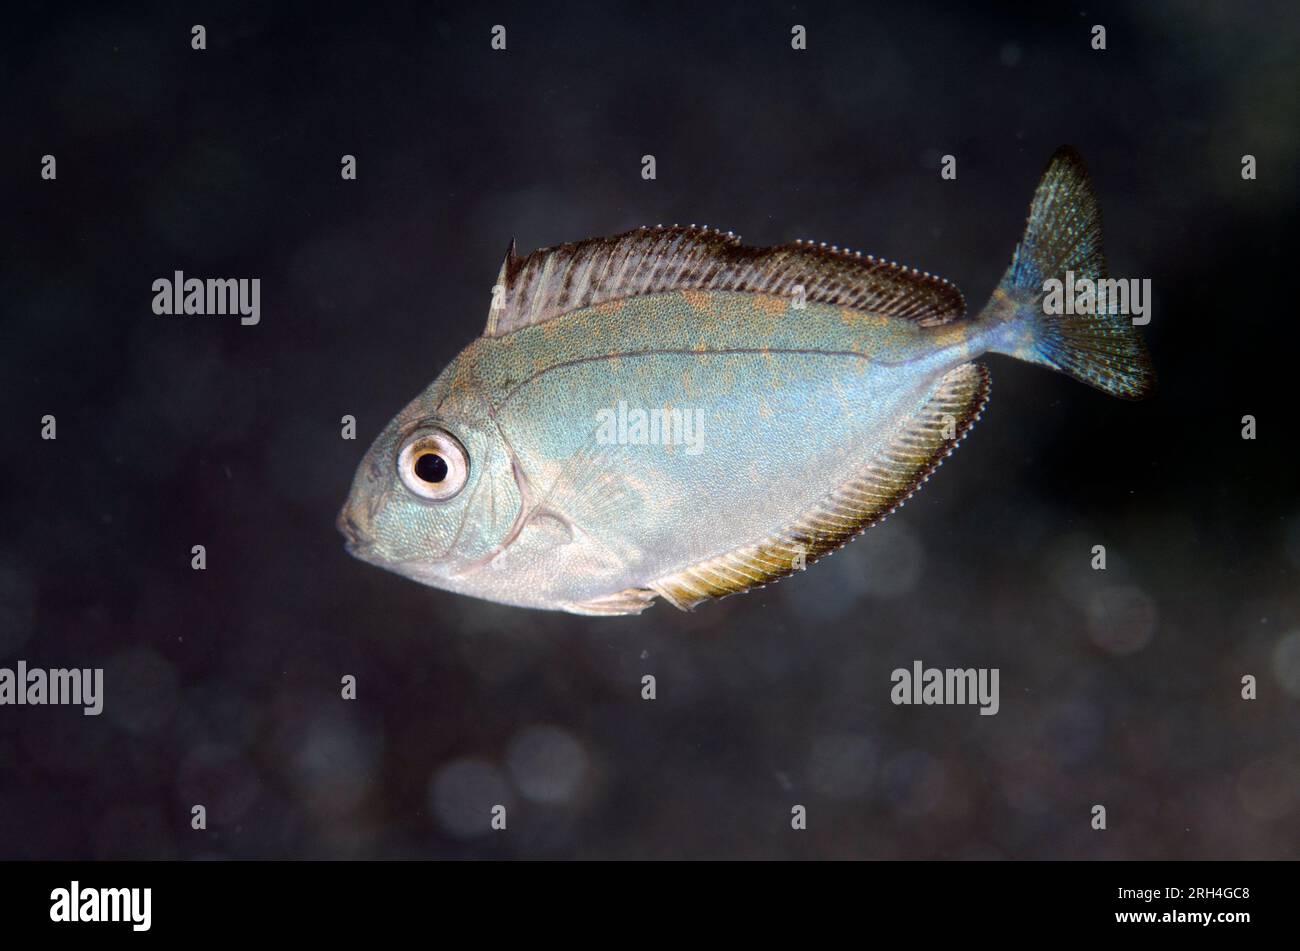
(876, 490)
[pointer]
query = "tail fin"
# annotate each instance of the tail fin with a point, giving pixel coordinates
(1063, 235)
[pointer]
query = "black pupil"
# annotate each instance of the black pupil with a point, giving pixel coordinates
(431, 467)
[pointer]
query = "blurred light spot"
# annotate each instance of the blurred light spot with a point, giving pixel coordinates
(885, 562)
(1293, 540)
(1069, 565)
(914, 782)
(894, 559)
(131, 831)
(1286, 662)
(842, 765)
(216, 712)
(67, 745)
(1121, 619)
(1072, 729)
(1010, 54)
(494, 642)
(17, 605)
(335, 762)
(546, 763)
(462, 794)
(140, 690)
(1023, 787)
(1268, 788)
(219, 779)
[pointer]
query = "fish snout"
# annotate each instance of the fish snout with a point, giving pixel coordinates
(359, 541)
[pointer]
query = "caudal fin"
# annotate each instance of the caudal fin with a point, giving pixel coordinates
(1063, 235)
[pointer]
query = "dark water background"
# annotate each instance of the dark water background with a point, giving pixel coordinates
(1119, 687)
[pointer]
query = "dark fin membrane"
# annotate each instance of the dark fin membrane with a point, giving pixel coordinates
(1063, 234)
(553, 281)
(884, 484)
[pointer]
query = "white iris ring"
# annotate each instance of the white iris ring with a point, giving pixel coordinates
(437, 442)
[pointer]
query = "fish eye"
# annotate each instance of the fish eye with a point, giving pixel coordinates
(433, 464)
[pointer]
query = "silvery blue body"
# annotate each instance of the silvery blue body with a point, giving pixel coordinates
(791, 402)
(814, 390)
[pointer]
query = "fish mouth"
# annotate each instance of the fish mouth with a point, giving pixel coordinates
(360, 544)
(357, 543)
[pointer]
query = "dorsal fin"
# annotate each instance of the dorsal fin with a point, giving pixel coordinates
(553, 281)
(880, 487)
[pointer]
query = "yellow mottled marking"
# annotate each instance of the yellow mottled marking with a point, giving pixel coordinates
(956, 334)
(728, 382)
(771, 305)
(700, 300)
(862, 319)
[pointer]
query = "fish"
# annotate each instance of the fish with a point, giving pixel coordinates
(670, 413)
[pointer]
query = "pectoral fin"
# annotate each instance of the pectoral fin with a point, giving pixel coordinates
(880, 487)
